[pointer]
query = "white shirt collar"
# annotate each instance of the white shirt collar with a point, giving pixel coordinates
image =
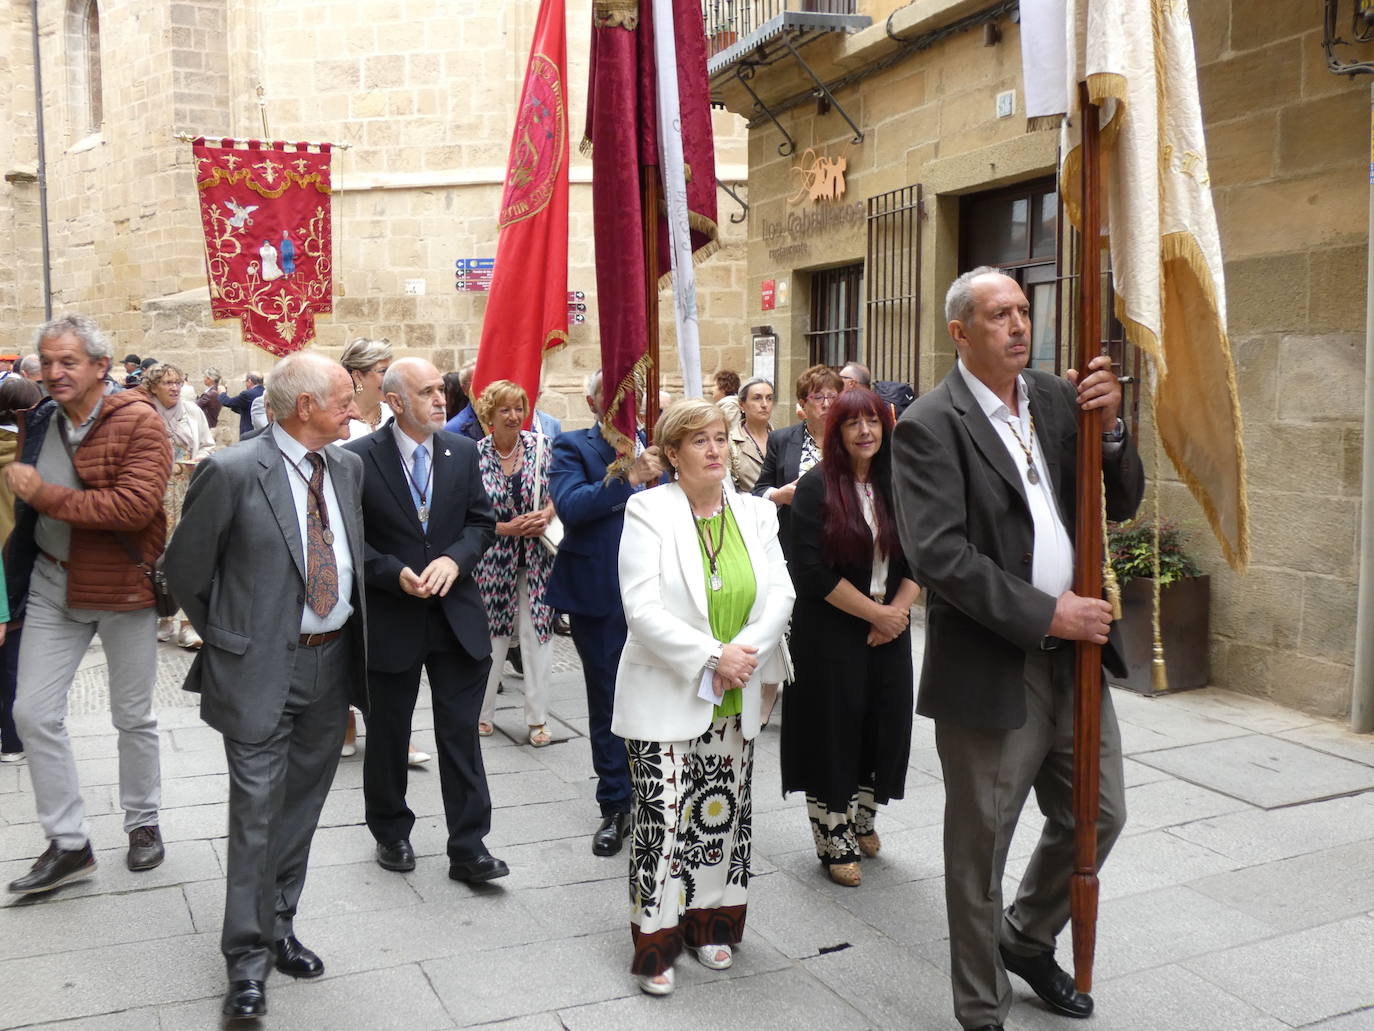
(290, 447)
(990, 403)
(407, 444)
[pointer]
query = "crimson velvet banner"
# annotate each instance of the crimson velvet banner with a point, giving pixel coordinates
(527, 308)
(622, 133)
(264, 208)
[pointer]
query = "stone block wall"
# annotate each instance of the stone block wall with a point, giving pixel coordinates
(423, 93)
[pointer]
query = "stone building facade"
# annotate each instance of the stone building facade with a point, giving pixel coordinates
(424, 95)
(935, 88)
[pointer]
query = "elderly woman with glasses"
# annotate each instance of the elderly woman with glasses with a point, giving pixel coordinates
(795, 450)
(846, 732)
(706, 597)
(189, 433)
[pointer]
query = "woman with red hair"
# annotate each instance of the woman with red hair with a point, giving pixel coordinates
(846, 731)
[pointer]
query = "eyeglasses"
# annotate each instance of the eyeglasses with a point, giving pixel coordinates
(823, 398)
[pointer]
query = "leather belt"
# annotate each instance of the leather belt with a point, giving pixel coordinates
(1053, 644)
(315, 640)
(59, 563)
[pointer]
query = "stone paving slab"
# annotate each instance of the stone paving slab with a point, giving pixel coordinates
(885, 985)
(1307, 890)
(1170, 803)
(1358, 1020)
(1157, 928)
(34, 929)
(1254, 714)
(799, 921)
(1260, 836)
(128, 1020)
(1264, 771)
(1334, 740)
(785, 999)
(188, 862)
(359, 1001)
(1168, 998)
(93, 981)
(1301, 977)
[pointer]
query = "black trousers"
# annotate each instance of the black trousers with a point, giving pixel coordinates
(457, 684)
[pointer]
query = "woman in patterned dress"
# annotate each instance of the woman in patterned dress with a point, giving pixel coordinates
(846, 730)
(189, 433)
(706, 596)
(514, 573)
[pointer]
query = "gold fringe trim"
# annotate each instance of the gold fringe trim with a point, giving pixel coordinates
(555, 339)
(245, 176)
(585, 147)
(701, 224)
(1159, 672)
(615, 14)
(1044, 123)
(624, 446)
(1109, 581)
(1183, 248)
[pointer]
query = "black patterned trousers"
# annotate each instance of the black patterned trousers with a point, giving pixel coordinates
(690, 843)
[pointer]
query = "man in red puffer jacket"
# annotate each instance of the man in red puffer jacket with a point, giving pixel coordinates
(90, 479)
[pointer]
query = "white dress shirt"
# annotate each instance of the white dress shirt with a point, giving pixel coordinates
(1052, 555)
(298, 474)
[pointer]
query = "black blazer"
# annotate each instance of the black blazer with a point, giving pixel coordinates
(782, 465)
(462, 525)
(966, 530)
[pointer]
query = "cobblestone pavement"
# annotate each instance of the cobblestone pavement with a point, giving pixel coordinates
(1241, 896)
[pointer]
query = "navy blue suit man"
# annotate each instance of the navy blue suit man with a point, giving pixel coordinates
(586, 584)
(242, 402)
(427, 520)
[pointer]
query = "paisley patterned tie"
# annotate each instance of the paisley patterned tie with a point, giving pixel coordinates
(322, 573)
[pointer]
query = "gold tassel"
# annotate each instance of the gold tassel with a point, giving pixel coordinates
(1109, 581)
(1159, 674)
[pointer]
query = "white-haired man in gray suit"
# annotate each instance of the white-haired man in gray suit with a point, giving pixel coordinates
(266, 562)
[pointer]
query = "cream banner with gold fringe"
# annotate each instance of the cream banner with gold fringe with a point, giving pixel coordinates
(1137, 59)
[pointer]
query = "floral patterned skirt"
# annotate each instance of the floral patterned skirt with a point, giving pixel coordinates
(690, 843)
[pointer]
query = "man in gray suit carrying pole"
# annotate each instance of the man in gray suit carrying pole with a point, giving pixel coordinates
(266, 562)
(983, 477)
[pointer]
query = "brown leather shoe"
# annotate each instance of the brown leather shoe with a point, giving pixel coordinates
(847, 874)
(145, 848)
(55, 867)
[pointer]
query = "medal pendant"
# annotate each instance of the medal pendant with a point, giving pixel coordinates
(329, 537)
(715, 581)
(424, 513)
(1032, 474)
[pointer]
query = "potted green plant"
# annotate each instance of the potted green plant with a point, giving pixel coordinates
(1185, 606)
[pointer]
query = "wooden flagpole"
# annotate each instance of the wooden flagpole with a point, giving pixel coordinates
(650, 196)
(1087, 581)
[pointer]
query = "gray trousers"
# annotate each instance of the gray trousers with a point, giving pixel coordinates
(54, 643)
(988, 776)
(277, 788)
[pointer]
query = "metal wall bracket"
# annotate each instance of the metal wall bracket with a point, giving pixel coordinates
(822, 91)
(737, 217)
(744, 72)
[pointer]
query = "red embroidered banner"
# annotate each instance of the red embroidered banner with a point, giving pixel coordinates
(527, 310)
(265, 211)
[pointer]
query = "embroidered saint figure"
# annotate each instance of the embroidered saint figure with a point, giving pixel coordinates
(270, 271)
(288, 254)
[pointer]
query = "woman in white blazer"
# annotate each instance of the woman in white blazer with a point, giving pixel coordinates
(707, 597)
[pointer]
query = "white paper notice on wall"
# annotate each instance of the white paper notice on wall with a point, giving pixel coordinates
(415, 286)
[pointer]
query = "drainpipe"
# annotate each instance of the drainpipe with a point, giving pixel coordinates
(1362, 694)
(42, 164)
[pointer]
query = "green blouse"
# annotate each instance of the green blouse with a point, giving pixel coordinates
(727, 608)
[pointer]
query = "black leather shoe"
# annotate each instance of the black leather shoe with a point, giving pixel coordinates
(56, 866)
(145, 848)
(611, 834)
(295, 960)
(477, 869)
(245, 999)
(1050, 981)
(396, 855)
